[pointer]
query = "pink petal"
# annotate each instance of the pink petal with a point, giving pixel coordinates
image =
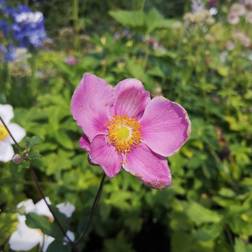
(152, 169)
(105, 155)
(130, 98)
(165, 126)
(91, 104)
(84, 143)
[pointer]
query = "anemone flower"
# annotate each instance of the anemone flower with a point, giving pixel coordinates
(26, 238)
(123, 127)
(6, 149)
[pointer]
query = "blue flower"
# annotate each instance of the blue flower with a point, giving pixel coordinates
(28, 28)
(9, 52)
(2, 4)
(4, 27)
(23, 26)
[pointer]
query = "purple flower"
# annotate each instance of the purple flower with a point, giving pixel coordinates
(124, 127)
(71, 60)
(24, 27)
(4, 27)
(28, 28)
(2, 3)
(9, 52)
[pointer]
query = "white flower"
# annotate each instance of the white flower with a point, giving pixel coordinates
(26, 238)
(213, 11)
(249, 17)
(197, 5)
(29, 17)
(6, 149)
(238, 9)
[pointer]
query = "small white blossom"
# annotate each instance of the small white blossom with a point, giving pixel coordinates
(26, 238)
(6, 149)
(29, 17)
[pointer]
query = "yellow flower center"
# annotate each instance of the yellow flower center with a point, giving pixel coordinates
(3, 132)
(123, 133)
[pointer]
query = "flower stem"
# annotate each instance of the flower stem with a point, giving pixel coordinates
(33, 82)
(12, 137)
(36, 183)
(76, 22)
(6, 77)
(95, 203)
(35, 180)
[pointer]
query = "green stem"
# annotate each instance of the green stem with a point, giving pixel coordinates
(146, 53)
(12, 137)
(142, 5)
(76, 22)
(33, 63)
(7, 78)
(91, 215)
(36, 183)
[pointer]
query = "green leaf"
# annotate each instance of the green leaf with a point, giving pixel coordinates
(43, 223)
(64, 139)
(241, 246)
(34, 155)
(128, 18)
(154, 20)
(31, 141)
(200, 214)
(58, 246)
(39, 222)
(24, 165)
(208, 232)
(7, 225)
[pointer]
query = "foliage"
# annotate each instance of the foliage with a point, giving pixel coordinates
(202, 64)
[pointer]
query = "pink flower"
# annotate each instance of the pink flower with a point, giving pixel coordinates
(71, 60)
(124, 127)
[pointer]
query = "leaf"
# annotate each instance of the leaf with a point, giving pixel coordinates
(58, 246)
(120, 243)
(7, 225)
(128, 18)
(64, 139)
(208, 232)
(138, 19)
(154, 20)
(177, 245)
(241, 246)
(43, 223)
(39, 222)
(200, 214)
(32, 141)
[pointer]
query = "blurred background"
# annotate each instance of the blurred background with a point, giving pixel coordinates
(197, 53)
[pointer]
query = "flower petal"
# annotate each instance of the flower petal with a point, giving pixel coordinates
(6, 151)
(25, 238)
(130, 98)
(47, 240)
(17, 132)
(91, 104)
(165, 126)
(105, 155)
(27, 206)
(42, 209)
(70, 235)
(6, 112)
(84, 143)
(66, 208)
(152, 169)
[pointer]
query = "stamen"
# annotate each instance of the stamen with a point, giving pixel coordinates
(124, 132)
(3, 133)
